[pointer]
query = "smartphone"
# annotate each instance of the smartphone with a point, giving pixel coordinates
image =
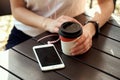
(48, 57)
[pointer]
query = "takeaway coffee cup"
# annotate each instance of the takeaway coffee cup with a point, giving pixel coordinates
(69, 32)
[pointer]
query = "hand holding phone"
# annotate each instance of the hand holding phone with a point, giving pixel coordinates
(48, 57)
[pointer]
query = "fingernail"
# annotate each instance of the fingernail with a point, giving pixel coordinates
(73, 54)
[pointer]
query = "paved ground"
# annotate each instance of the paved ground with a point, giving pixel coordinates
(6, 23)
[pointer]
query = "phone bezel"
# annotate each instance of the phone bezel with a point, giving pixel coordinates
(50, 67)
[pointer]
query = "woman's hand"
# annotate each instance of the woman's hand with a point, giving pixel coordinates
(84, 42)
(54, 25)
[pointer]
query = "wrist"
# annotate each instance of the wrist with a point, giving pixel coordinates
(94, 26)
(90, 29)
(45, 23)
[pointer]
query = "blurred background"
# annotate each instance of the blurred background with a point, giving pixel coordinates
(6, 21)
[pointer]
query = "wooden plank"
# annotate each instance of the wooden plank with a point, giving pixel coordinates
(74, 67)
(107, 45)
(114, 21)
(111, 31)
(78, 71)
(101, 61)
(42, 35)
(82, 18)
(26, 68)
(5, 75)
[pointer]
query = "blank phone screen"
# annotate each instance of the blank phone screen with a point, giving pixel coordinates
(48, 56)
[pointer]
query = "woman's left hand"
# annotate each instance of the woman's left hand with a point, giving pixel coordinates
(83, 43)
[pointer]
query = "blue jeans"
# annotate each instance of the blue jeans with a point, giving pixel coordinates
(16, 37)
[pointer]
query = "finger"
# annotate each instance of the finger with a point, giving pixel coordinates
(86, 49)
(65, 18)
(79, 45)
(56, 30)
(63, 21)
(82, 51)
(80, 42)
(70, 19)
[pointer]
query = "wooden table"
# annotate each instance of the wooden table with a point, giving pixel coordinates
(101, 62)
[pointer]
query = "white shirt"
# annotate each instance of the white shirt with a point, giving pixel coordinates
(48, 8)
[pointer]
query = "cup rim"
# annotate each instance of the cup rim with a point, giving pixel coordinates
(72, 34)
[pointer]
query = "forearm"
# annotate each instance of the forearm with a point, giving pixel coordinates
(29, 18)
(101, 15)
(24, 15)
(105, 10)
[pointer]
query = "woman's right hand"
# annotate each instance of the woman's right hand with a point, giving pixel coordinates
(53, 25)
